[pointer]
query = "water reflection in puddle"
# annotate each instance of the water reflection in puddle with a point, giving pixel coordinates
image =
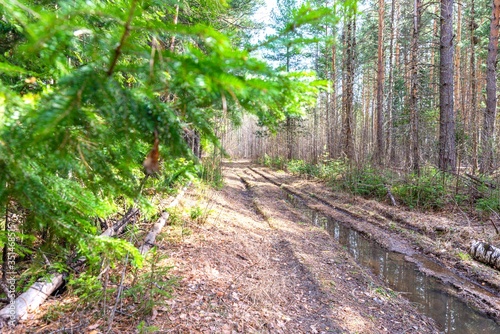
(451, 314)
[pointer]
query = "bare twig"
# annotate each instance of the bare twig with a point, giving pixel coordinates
(494, 225)
(125, 35)
(118, 295)
(389, 193)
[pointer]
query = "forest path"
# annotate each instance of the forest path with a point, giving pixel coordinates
(256, 265)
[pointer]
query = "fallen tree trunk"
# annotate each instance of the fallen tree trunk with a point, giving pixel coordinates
(481, 182)
(149, 240)
(119, 226)
(28, 301)
(42, 289)
(485, 253)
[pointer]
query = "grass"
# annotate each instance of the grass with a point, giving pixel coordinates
(464, 256)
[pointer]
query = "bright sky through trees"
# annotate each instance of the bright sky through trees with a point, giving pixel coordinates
(263, 15)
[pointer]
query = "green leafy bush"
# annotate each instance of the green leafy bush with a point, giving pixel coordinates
(489, 203)
(301, 167)
(365, 182)
(427, 191)
(333, 169)
(273, 162)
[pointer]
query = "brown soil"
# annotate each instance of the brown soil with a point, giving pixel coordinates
(254, 264)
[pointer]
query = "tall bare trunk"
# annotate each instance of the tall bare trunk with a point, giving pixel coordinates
(389, 141)
(332, 105)
(290, 124)
(487, 140)
(332, 115)
(348, 89)
(379, 147)
(432, 75)
(316, 111)
(447, 151)
(414, 119)
(457, 80)
(473, 88)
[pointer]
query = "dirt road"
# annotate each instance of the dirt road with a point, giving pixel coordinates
(257, 265)
(250, 260)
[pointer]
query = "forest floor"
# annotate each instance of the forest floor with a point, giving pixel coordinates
(254, 263)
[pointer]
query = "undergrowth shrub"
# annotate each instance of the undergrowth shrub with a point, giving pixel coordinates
(427, 191)
(333, 169)
(488, 204)
(153, 285)
(301, 167)
(273, 162)
(365, 182)
(431, 190)
(211, 172)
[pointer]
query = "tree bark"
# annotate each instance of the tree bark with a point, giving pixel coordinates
(487, 140)
(31, 299)
(176, 18)
(473, 88)
(457, 80)
(414, 118)
(332, 110)
(485, 253)
(389, 144)
(432, 75)
(379, 147)
(348, 88)
(149, 240)
(447, 151)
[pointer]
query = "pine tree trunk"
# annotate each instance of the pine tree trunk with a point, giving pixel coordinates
(332, 115)
(457, 80)
(473, 89)
(289, 137)
(379, 146)
(348, 89)
(487, 163)
(447, 151)
(333, 103)
(289, 122)
(414, 119)
(435, 90)
(389, 144)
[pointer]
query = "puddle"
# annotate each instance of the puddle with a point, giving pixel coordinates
(431, 295)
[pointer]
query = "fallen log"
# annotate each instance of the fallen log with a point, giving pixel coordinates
(485, 253)
(119, 226)
(149, 240)
(28, 301)
(43, 288)
(481, 182)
